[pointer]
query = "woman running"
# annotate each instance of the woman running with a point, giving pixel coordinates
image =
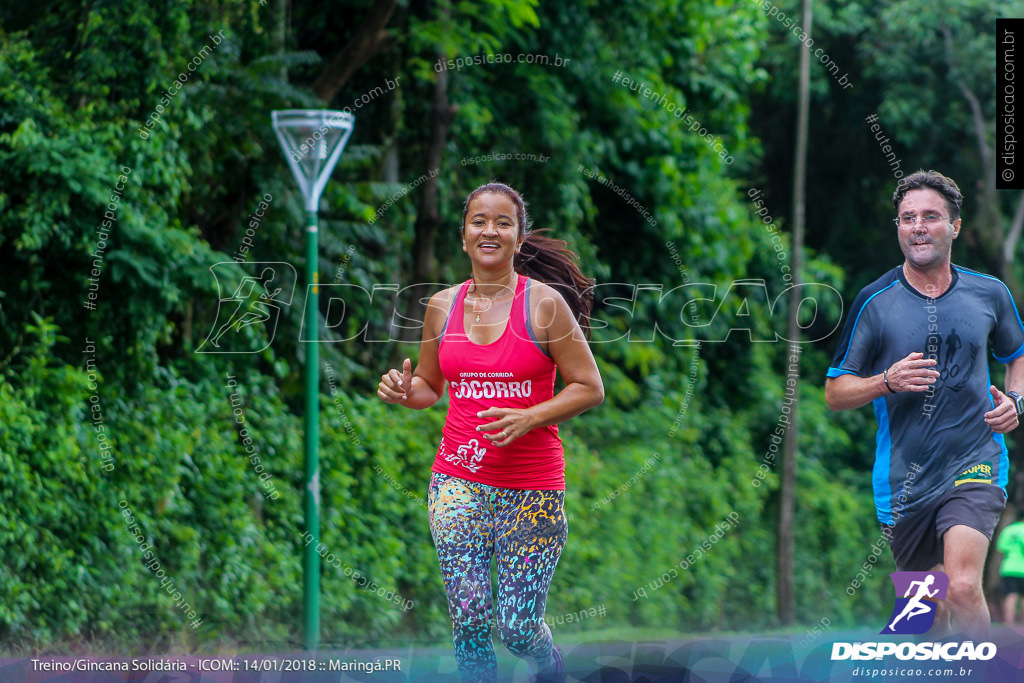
(498, 483)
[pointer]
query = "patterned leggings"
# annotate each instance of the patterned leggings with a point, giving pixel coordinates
(526, 531)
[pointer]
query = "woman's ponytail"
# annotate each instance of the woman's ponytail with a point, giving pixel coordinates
(552, 262)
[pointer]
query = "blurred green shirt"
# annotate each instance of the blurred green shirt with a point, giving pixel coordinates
(1011, 544)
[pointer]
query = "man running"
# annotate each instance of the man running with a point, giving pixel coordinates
(940, 460)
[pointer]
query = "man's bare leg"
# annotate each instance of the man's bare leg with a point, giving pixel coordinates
(964, 561)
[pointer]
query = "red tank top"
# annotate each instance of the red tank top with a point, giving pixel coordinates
(512, 372)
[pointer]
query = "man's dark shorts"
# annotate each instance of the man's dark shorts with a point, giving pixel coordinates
(916, 541)
(1012, 584)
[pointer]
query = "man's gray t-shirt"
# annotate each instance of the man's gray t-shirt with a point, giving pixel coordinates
(929, 442)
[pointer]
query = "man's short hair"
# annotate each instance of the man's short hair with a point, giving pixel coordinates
(932, 180)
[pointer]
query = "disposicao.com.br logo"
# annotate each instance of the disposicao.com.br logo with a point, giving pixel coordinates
(921, 652)
(917, 600)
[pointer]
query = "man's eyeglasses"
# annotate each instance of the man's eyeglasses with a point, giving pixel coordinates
(909, 220)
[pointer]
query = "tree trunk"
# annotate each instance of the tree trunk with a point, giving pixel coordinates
(428, 216)
(372, 38)
(787, 490)
(281, 32)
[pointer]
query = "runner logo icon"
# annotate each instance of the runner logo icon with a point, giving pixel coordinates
(917, 597)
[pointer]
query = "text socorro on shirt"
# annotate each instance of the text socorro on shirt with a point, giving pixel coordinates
(489, 388)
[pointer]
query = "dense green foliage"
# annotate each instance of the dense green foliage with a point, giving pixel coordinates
(652, 474)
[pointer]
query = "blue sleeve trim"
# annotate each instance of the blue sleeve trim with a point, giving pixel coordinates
(1013, 356)
(836, 372)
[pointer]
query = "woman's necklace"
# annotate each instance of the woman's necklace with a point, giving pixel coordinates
(490, 302)
(484, 310)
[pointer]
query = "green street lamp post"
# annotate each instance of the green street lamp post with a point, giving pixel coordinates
(312, 140)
